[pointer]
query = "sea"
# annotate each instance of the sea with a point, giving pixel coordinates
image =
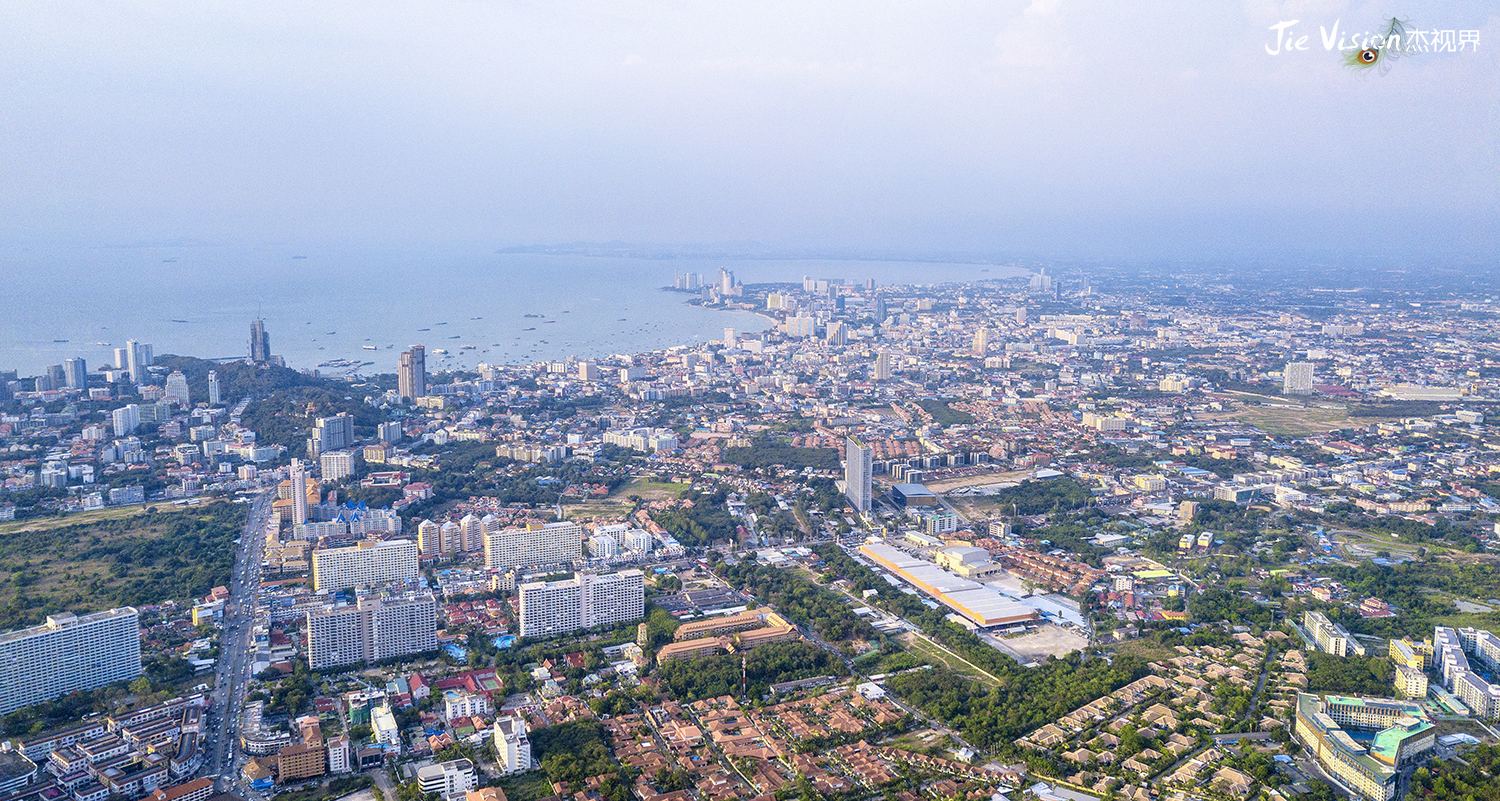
(328, 308)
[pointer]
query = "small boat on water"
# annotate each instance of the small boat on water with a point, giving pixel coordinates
(369, 347)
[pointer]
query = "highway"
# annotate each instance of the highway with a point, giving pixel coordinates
(233, 676)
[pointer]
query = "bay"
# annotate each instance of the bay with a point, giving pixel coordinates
(325, 304)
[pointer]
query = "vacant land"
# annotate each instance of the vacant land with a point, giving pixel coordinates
(1147, 650)
(997, 479)
(938, 655)
(649, 490)
(1292, 416)
(116, 561)
(1045, 641)
(76, 518)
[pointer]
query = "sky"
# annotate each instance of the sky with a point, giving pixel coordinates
(1047, 128)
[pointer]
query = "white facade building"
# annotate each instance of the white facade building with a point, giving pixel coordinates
(371, 629)
(533, 546)
(858, 466)
(584, 601)
(68, 653)
(364, 564)
(512, 746)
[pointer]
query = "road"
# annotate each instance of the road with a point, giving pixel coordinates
(233, 674)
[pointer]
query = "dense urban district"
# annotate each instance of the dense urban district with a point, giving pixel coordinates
(1012, 539)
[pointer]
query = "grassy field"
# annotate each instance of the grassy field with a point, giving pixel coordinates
(48, 523)
(930, 651)
(1292, 416)
(648, 490)
(1148, 650)
(82, 563)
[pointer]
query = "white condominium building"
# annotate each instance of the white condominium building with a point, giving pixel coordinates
(536, 545)
(581, 602)
(448, 779)
(512, 746)
(648, 440)
(370, 630)
(857, 474)
(68, 653)
(367, 563)
(1330, 636)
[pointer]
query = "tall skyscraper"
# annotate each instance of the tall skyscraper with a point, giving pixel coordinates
(299, 493)
(177, 389)
(982, 342)
(880, 311)
(213, 387)
(857, 473)
(122, 358)
(1297, 378)
(68, 653)
(411, 373)
(76, 372)
(260, 342)
(138, 357)
(882, 370)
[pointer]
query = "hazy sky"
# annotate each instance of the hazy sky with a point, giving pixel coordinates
(1047, 127)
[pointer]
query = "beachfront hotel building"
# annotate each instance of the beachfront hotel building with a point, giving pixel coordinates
(67, 653)
(365, 564)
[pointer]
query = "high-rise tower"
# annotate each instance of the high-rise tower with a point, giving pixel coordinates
(260, 342)
(857, 473)
(411, 373)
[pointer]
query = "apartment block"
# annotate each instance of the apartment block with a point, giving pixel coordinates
(447, 778)
(372, 629)
(1330, 636)
(512, 746)
(536, 545)
(365, 564)
(584, 601)
(68, 653)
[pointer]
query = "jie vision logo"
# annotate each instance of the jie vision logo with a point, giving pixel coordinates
(1371, 50)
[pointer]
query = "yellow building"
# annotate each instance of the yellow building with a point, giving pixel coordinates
(1415, 655)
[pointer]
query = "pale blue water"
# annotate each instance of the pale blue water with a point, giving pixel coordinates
(333, 302)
